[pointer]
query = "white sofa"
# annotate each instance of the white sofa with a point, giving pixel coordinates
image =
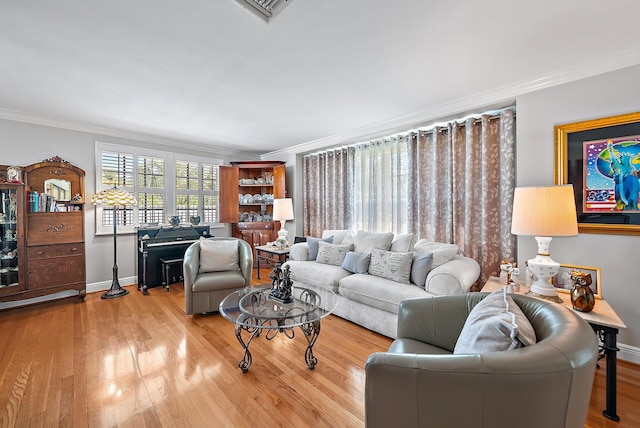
(370, 300)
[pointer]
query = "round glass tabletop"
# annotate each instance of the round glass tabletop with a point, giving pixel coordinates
(252, 307)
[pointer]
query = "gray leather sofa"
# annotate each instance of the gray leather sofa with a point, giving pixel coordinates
(419, 383)
(203, 292)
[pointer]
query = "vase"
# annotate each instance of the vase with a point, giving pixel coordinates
(174, 220)
(582, 298)
(194, 220)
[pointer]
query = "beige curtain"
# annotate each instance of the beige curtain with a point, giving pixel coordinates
(328, 176)
(462, 178)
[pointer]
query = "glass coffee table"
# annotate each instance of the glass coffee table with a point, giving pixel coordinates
(253, 311)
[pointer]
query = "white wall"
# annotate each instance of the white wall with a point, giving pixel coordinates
(24, 144)
(538, 112)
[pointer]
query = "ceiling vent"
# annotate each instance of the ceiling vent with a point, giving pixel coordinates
(264, 9)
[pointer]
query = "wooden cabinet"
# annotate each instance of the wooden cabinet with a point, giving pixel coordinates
(247, 191)
(53, 242)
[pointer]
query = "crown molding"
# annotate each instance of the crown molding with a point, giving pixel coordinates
(116, 133)
(501, 96)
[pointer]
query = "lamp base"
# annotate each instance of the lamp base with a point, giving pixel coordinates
(555, 298)
(115, 291)
(544, 268)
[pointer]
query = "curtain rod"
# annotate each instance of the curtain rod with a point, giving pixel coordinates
(493, 114)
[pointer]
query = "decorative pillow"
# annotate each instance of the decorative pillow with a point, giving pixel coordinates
(356, 262)
(364, 242)
(420, 268)
(218, 255)
(495, 324)
(403, 243)
(312, 243)
(390, 265)
(442, 253)
(332, 254)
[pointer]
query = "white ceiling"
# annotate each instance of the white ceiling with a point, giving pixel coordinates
(209, 72)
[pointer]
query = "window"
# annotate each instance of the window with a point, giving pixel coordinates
(162, 182)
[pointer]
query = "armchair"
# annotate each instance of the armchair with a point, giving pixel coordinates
(419, 382)
(203, 291)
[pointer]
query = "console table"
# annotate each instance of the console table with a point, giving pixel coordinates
(605, 323)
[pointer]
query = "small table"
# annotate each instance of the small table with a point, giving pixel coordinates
(605, 323)
(252, 311)
(267, 252)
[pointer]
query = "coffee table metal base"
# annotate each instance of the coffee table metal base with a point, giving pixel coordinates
(310, 330)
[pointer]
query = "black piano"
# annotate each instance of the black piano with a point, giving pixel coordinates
(162, 242)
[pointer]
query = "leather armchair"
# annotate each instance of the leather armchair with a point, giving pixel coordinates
(203, 292)
(420, 383)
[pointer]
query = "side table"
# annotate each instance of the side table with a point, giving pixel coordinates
(605, 323)
(269, 253)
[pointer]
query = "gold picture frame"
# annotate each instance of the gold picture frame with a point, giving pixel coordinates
(571, 167)
(560, 281)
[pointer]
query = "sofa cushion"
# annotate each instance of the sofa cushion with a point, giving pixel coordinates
(442, 253)
(378, 292)
(215, 281)
(364, 242)
(332, 254)
(340, 236)
(495, 324)
(420, 268)
(218, 255)
(390, 265)
(312, 244)
(318, 275)
(403, 243)
(356, 262)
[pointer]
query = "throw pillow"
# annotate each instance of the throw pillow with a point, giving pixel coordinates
(495, 324)
(332, 254)
(403, 243)
(312, 244)
(420, 268)
(356, 262)
(442, 253)
(390, 265)
(364, 242)
(218, 255)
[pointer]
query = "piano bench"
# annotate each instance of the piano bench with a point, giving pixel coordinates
(167, 264)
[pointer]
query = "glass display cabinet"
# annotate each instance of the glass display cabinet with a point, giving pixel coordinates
(12, 260)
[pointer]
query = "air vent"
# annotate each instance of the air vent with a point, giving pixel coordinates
(264, 9)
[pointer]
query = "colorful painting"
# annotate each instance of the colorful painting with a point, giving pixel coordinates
(612, 170)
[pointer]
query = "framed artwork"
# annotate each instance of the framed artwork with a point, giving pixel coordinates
(562, 281)
(601, 159)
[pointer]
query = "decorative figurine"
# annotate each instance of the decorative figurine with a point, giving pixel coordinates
(582, 297)
(281, 284)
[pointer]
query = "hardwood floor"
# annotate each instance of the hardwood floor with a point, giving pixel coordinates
(138, 361)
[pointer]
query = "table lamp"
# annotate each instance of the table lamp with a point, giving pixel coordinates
(115, 198)
(544, 212)
(282, 211)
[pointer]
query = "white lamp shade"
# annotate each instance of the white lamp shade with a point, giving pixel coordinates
(544, 211)
(283, 209)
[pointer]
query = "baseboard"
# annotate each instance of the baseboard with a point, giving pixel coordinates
(105, 285)
(629, 353)
(91, 288)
